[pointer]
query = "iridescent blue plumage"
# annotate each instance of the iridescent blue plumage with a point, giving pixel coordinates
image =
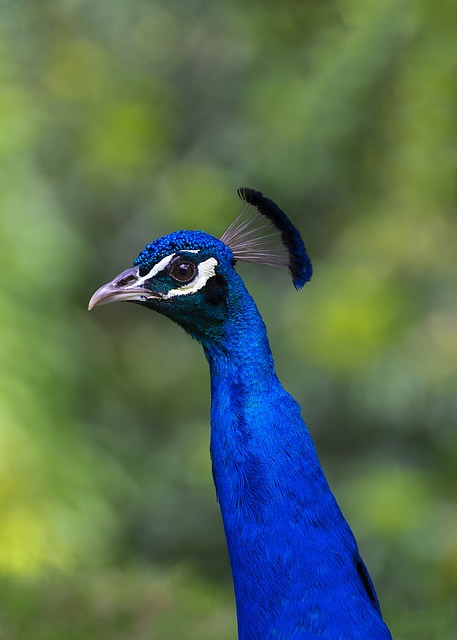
(296, 568)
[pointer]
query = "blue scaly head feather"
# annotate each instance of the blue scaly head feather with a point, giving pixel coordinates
(296, 568)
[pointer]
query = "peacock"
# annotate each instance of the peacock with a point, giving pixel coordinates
(296, 568)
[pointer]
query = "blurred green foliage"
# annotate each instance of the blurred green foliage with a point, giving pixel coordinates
(124, 120)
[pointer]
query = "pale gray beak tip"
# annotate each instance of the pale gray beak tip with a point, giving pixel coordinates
(124, 288)
(103, 295)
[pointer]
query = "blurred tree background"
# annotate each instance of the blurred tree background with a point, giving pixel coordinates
(122, 120)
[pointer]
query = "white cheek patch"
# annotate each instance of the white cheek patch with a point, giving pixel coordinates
(206, 270)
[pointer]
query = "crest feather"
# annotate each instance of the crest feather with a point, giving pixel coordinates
(263, 233)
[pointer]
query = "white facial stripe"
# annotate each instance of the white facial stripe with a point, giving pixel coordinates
(206, 270)
(157, 268)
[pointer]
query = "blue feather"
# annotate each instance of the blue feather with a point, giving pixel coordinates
(296, 567)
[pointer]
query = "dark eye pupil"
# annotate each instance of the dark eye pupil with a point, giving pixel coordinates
(183, 271)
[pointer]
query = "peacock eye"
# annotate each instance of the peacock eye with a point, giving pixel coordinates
(183, 271)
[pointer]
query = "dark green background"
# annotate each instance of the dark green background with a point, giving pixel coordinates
(122, 120)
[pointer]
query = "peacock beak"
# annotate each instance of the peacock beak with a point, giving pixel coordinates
(127, 286)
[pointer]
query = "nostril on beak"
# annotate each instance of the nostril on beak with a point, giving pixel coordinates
(126, 280)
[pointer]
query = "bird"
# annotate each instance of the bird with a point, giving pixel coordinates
(296, 568)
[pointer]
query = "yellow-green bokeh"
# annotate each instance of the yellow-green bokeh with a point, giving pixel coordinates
(121, 121)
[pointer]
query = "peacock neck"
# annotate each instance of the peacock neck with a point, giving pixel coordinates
(242, 359)
(288, 542)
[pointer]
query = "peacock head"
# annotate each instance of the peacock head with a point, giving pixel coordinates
(189, 276)
(184, 275)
